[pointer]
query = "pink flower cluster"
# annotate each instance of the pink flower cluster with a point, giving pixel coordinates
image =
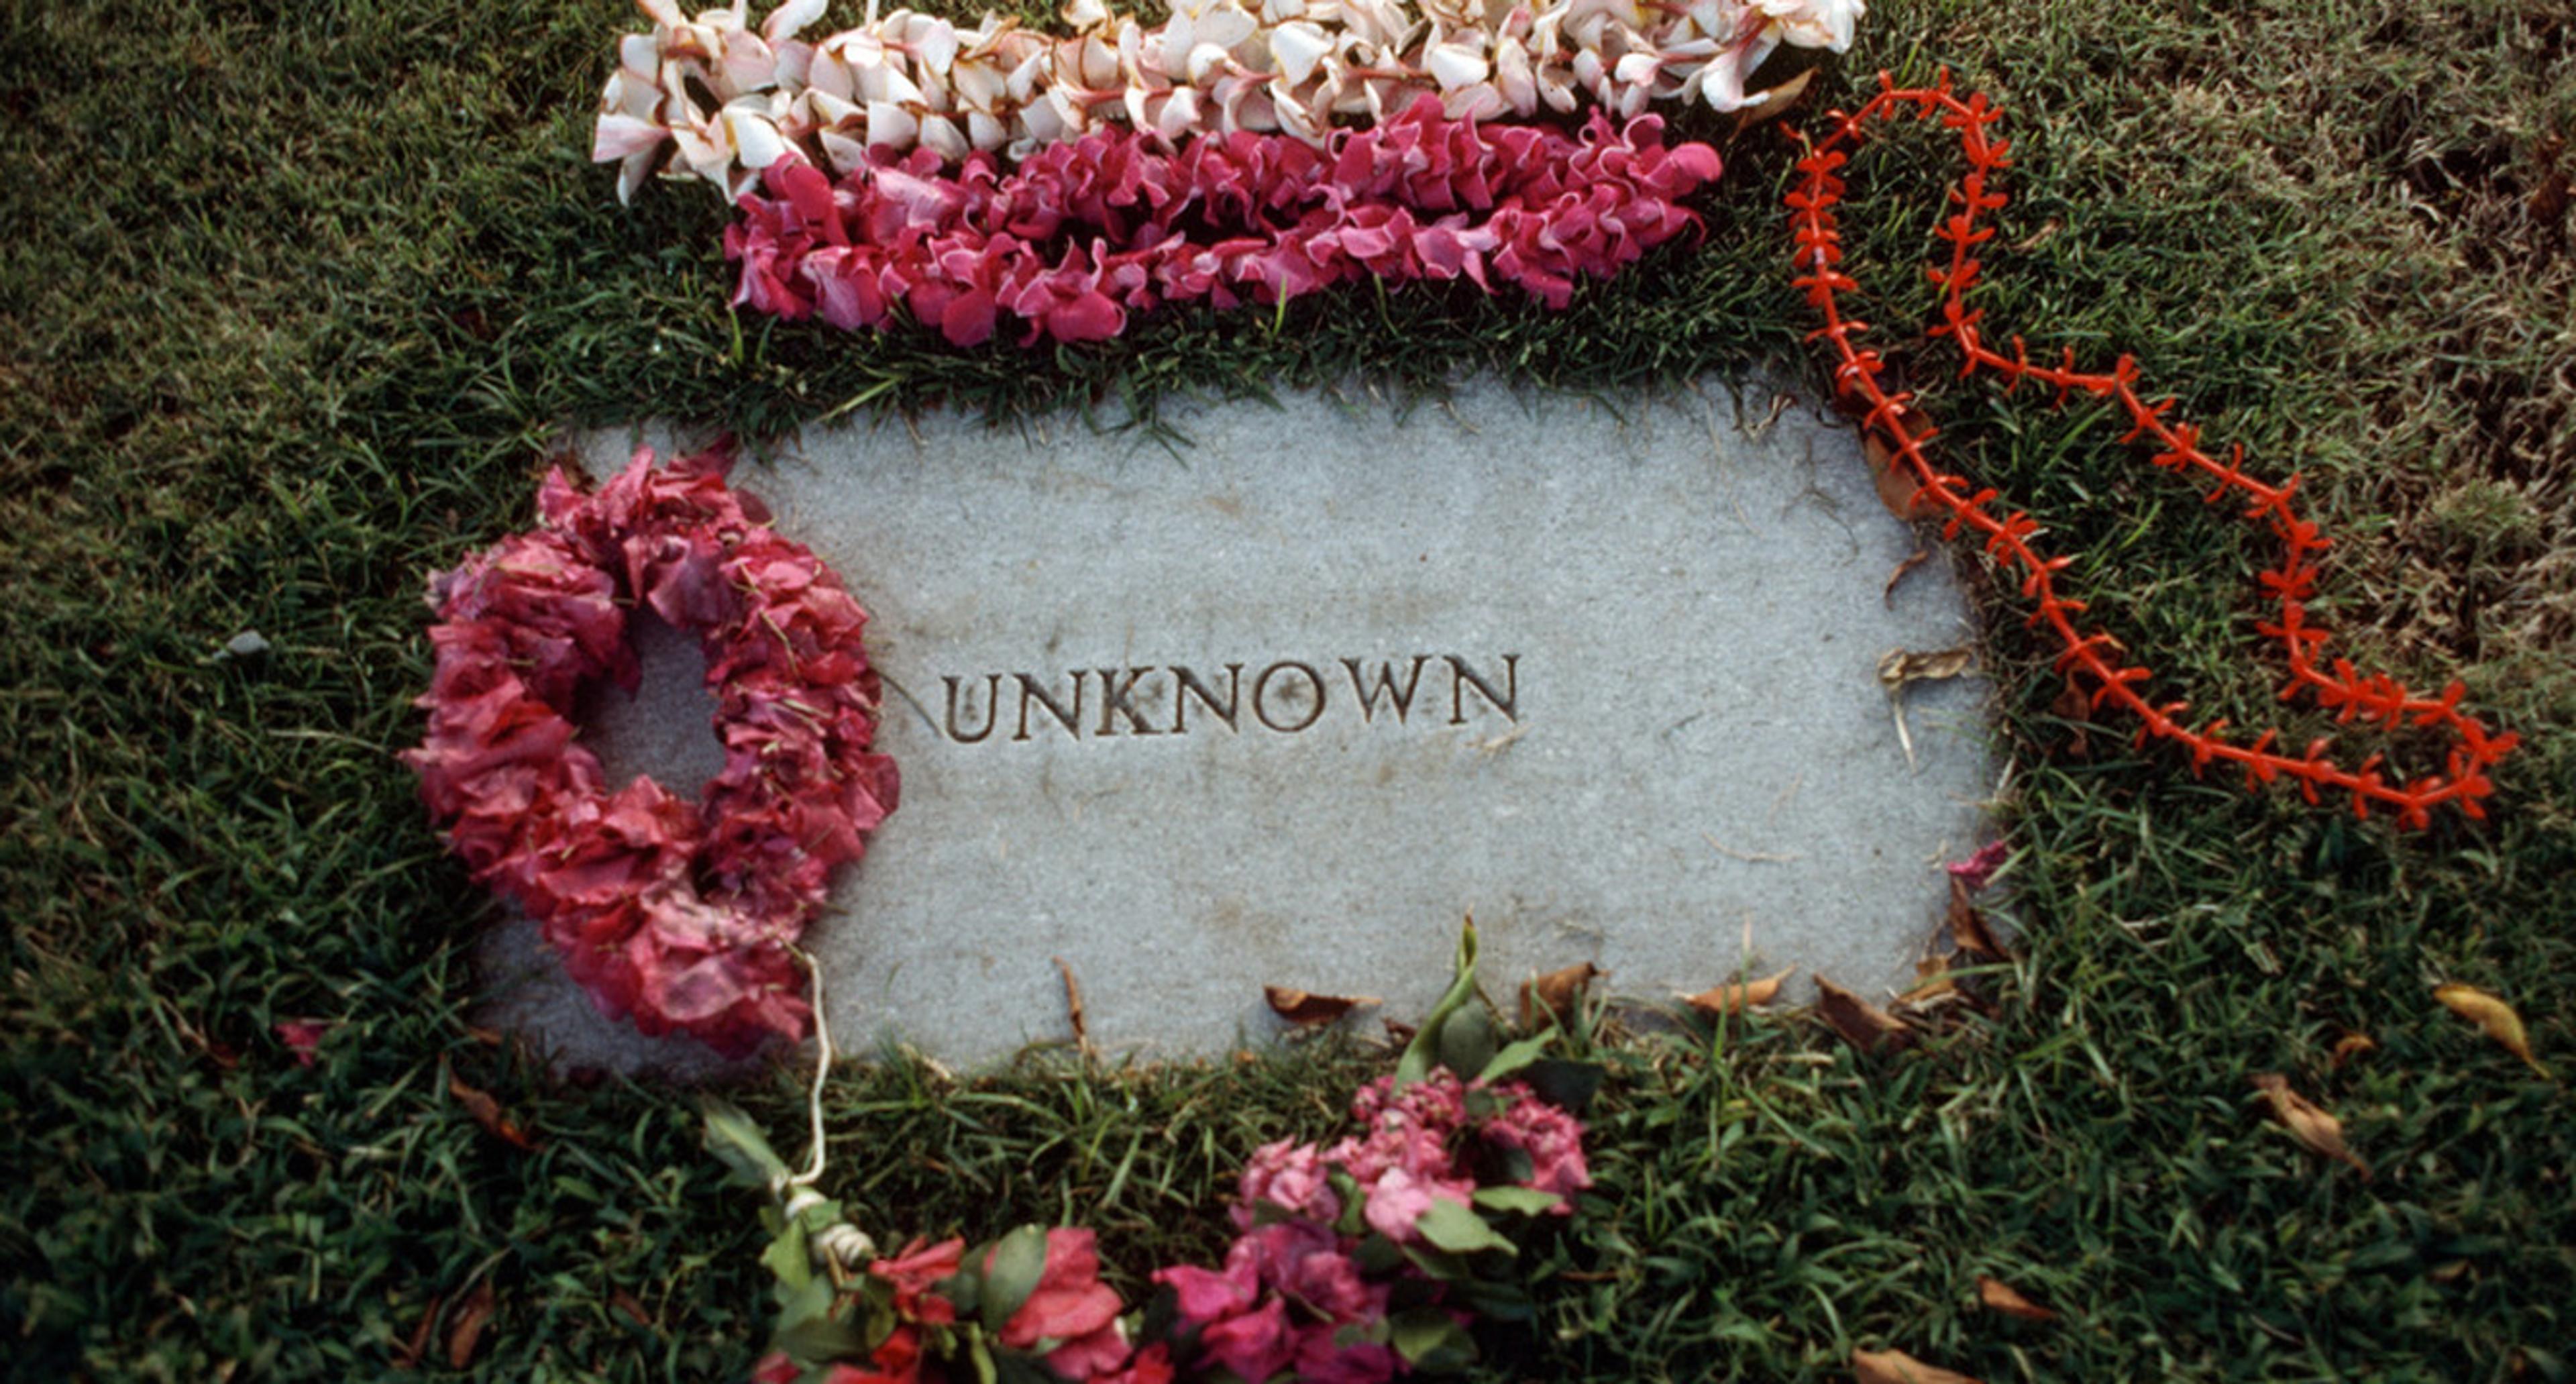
(1079, 235)
(676, 913)
(1291, 1294)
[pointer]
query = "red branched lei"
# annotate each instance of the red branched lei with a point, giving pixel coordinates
(677, 914)
(2093, 659)
(1081, 234)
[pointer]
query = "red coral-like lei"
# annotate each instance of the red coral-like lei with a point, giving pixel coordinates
(679, 915)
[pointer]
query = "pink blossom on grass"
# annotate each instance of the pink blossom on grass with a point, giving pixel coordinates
(1081, 235)
(303, 1037)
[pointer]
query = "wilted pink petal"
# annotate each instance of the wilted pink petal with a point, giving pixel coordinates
(1256, 1344)
(303, 1037)
(1205, 1294)
(1978, 869)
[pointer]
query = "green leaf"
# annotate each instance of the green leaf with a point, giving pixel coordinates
(1569, 1086)
(1429, 1340)
(1515, 1057)
(1468, 1040)
(790, 1259)
(1012, 1367)
(1377, 1256)
(1425, 1047)
(1346, 1190)
(808, 1331)
(1491, 1301)
(1011, 1273)
(1528, 1201)
(980, 1355)
(734, 1138)
(1459, 1230)
(819, 1339)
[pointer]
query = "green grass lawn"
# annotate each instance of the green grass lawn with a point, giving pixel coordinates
(294, 298)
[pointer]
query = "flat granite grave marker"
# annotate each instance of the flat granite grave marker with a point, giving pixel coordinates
(1279, 705)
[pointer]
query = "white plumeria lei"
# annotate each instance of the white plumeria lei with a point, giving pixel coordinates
(735, 100)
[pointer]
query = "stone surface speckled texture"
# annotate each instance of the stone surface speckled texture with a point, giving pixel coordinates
(1645, 729)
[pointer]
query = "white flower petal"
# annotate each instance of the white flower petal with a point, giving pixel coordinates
(1205, 59)
(847, 155)
(755, 139)
(1226, 25)
(979, 86)
(1298, 47)
(622, 137)
(632, 173)
(890, 124)
(934, 44)
(1455, 65)
(940, 133)
(749, 65)
(1180, 114)
(794, 15)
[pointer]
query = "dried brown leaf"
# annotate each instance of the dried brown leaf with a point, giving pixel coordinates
(1897, 487)
(472, 1315)
(487, 1113)
(1735, 999)
(1968, 924)
(1862, 1024)
(1311, 1011)
(1999, 1296)
(1904, 569)
(2308, 1123)
(1073, 1006)
(1897, 1367)
(2076, 710)
(2494, 1016)
(417, 1348)
(2352, 1045)
(625, 1302)
(1559, 993)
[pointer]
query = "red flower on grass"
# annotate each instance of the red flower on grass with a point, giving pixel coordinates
(1072, 1307)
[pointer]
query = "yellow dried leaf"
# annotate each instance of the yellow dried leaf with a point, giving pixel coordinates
(1998, 1296)
(2309, 1124)
(1902, 668)
(1862, 1024)
(2352, 1045)
(1897, 1367)
(1735, 999)
(2492, 1015)
(1777, 100)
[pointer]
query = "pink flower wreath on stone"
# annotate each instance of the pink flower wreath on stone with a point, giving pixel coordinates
(679, 915)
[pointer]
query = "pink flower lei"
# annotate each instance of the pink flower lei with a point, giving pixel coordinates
(679, 915)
